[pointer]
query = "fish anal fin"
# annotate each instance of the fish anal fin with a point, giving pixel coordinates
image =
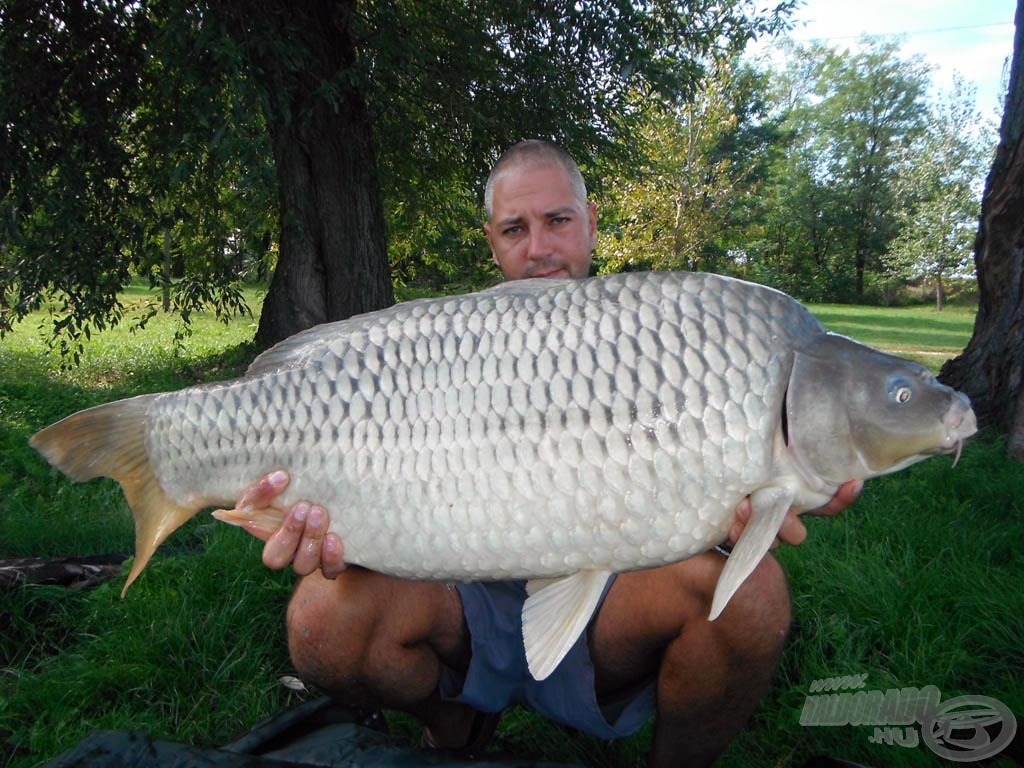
(768, 509)
(110, 441)
(556, 614)
(261, 522)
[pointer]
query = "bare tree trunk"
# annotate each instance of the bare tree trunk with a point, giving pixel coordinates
(333, 258)
(991, 369)
(165, 277)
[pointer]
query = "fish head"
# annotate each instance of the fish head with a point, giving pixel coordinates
(856, 412)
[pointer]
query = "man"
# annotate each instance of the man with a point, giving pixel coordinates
(444, 654)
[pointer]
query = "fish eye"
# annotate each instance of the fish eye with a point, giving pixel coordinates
(900, 389)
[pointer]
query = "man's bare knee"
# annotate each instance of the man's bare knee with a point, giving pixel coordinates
(372, 636)
(756, 621)
(325, 637)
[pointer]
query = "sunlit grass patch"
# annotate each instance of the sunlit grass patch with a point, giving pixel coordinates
(919, 333)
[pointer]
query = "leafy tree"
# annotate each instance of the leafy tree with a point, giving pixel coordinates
(849, 118)
(989, 370)
(201, 167)
(871, 111)
(63, 160)
(367, 108)
(938, 218)
(123, 144)
(702, 161)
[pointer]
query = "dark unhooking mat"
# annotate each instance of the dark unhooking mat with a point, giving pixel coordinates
(316, 733)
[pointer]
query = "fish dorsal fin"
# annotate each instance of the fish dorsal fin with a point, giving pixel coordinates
(530, 286)
(555, 614)
(293, 351)
(768, 510)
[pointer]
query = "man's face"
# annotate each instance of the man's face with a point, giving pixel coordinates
(538, 228)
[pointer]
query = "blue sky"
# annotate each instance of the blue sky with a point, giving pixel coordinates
(972, 37)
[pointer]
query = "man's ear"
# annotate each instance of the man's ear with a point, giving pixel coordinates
(494, 254)
(592, 223)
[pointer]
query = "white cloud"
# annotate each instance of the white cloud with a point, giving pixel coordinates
(972, 37)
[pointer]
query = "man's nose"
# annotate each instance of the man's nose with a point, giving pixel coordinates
(539, 244)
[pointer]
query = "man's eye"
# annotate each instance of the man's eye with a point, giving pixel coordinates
(512, 231)
(560, 220)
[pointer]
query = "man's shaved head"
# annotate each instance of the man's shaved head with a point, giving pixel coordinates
(535, 152)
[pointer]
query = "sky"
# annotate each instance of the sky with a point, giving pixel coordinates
(972, 37)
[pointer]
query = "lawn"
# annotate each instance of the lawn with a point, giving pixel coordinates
(917, 585)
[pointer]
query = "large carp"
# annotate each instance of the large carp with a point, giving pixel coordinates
(554, 430)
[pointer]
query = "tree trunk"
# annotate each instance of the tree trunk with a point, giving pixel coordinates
(165, 276)
(991, 369)
(333, 254)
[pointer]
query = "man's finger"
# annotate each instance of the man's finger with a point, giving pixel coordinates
(332, 556)
(307, 556)
(845, 496)
(261, 493)
(792, 531)
(743, 511)
(280, 549)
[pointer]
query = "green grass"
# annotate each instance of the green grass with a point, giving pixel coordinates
(917, 584)
(920, 333)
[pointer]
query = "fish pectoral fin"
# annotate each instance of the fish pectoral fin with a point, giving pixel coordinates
(555, 614)
(768, 509)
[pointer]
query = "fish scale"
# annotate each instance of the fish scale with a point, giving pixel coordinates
(396, 452)
(540, 429)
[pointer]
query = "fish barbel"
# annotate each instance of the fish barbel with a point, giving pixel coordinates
(551, 430)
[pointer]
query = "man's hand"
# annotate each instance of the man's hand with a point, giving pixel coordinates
(793, 531)
(302, 540)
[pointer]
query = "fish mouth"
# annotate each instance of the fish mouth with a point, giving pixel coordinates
(959, 424)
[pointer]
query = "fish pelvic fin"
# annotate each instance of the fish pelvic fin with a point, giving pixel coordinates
(768, 509)
(110, 441)
(555, 614)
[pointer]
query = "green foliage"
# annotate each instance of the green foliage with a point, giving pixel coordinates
(135, 135)
(850, 118)
(451, 90)
(121, 132)
(939, 215)
(704, 162)
(804, 178)
(201, 158)
(64, 166)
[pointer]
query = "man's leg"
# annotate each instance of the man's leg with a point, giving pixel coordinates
(710, 675)
(373, 640)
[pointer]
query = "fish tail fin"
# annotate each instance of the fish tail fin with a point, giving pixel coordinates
(110, 441)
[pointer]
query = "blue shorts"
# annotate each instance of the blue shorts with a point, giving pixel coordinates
(498, 676)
